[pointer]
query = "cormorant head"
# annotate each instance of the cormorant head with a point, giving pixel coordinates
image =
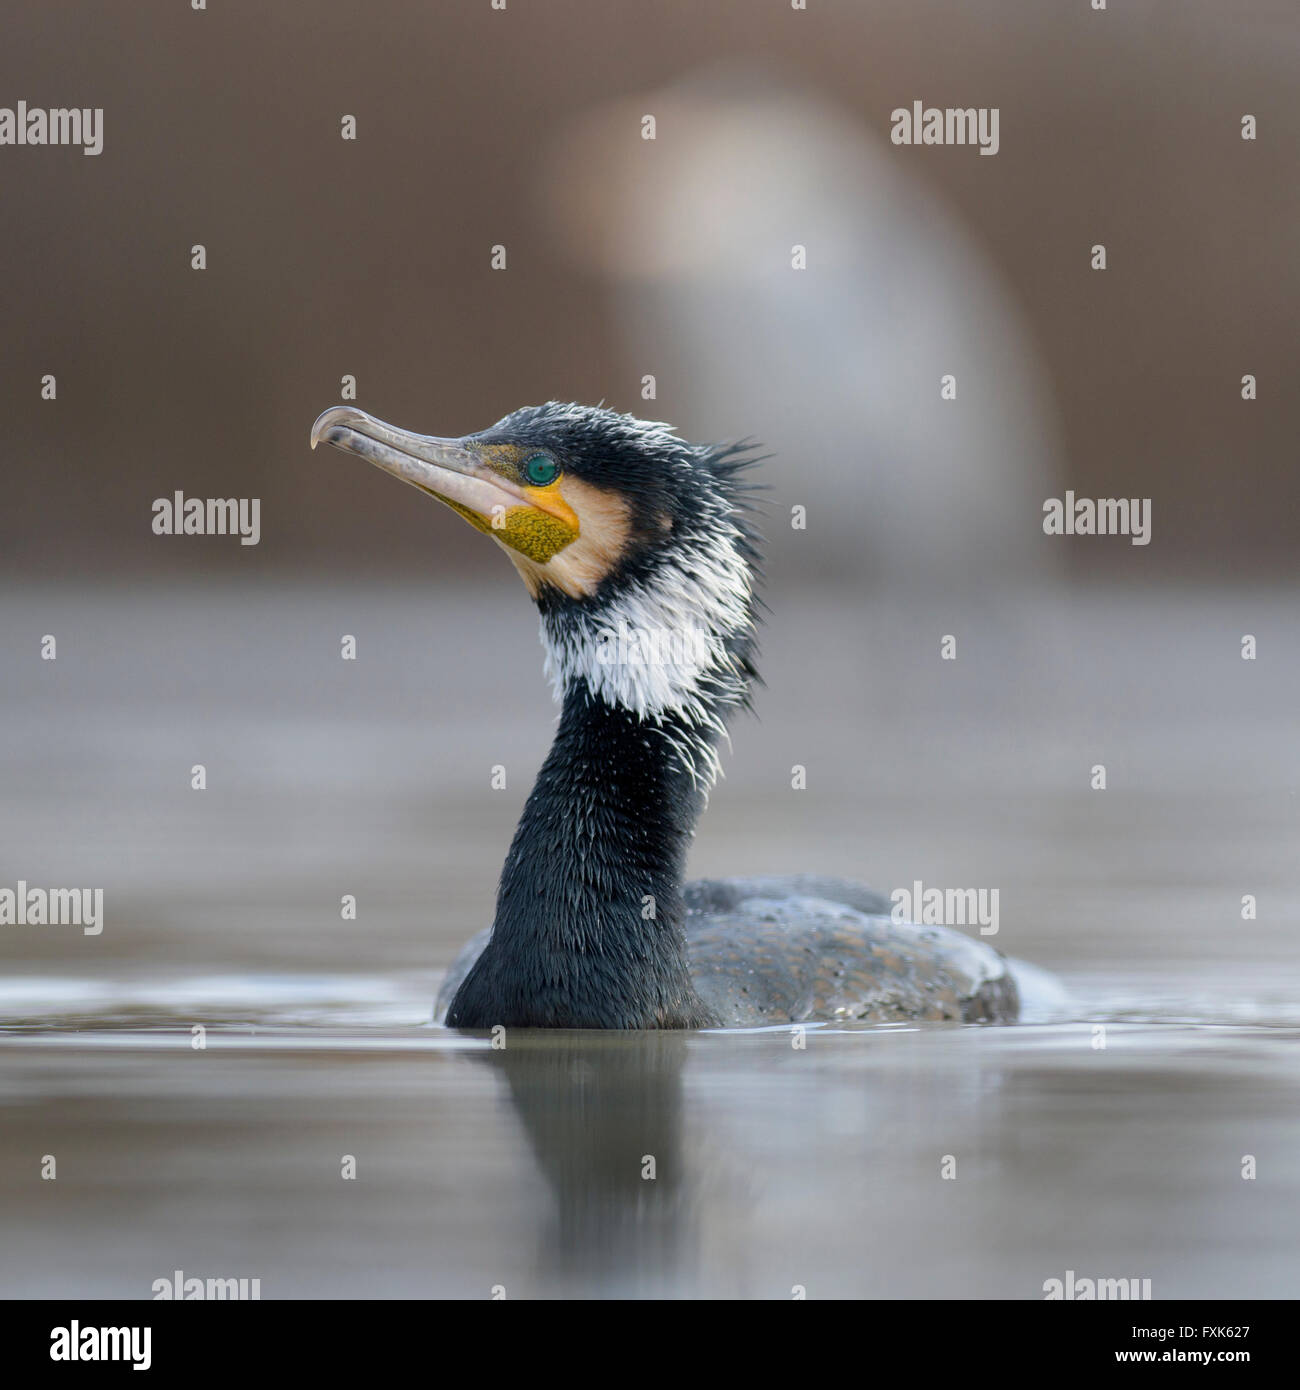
(624, 534)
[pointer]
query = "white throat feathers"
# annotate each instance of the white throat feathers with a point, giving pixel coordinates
(666, 648)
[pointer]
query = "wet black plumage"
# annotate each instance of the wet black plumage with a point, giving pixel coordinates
(621, 530)
(594, 927)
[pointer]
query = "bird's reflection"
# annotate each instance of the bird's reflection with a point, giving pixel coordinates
(603, 1113)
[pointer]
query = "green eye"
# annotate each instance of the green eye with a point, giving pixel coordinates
(540, 470)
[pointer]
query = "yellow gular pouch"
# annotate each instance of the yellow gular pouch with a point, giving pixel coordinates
(566, 534)
(540, 532)
(536, 534)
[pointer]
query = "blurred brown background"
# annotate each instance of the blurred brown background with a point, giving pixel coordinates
(477, 127)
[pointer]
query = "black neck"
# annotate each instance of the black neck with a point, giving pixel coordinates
(588, 930)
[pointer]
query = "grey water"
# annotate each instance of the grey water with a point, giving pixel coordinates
(1141, 1124)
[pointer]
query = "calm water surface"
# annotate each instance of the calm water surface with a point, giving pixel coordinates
(1107, 1137)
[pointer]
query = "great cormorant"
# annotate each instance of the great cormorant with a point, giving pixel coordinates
(640, 554)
